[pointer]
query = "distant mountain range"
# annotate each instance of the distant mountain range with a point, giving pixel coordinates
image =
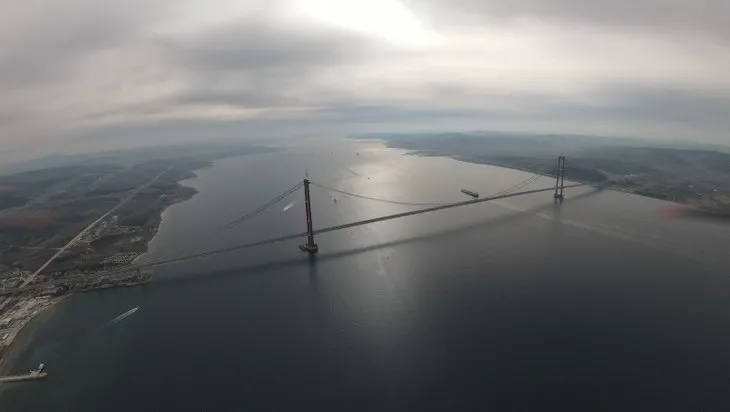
(215, 149)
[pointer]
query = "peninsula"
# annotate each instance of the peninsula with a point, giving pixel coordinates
(64, 228)
(693, 174)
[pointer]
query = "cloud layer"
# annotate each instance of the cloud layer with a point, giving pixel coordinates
(74, 68)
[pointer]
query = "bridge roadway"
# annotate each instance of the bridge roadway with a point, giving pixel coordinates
(288, 237)
(347, 226)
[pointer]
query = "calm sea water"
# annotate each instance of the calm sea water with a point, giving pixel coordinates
(596, 304)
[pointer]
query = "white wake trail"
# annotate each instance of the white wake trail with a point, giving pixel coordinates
(289, 206)
(124, 315)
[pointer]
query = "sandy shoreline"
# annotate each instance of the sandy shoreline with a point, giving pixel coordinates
(25, 333)
(23, 336)
(161, 217)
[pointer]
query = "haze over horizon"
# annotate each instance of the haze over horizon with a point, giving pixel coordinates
(78, 75)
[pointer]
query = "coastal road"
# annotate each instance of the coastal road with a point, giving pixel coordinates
(131, 194)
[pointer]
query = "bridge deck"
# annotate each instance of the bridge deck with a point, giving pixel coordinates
(305, 234)
(349, 225)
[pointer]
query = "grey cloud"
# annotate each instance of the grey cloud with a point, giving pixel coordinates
(261, 61)
(43, 46)
(253, 62)
(250, 63)
(251, 98)
(673, 107)
(255, 43)
(630, 113)
(708, 17)
(681, 114)
(40, 40)
(378, 114)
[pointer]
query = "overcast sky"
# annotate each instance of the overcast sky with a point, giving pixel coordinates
(86, 72)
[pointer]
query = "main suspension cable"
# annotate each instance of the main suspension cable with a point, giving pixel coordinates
(236, 222)
(261, 208)
(395, 202)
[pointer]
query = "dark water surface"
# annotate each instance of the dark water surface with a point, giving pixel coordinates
(597, 304)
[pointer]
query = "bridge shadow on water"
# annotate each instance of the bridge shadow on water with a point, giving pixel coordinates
(311, 262)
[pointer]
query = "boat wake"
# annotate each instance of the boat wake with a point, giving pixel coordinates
(289, 206)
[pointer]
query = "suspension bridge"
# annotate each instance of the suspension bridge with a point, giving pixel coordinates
(310, 246)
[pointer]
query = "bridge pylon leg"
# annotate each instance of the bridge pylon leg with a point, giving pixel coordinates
(309, 246)
(560, 179)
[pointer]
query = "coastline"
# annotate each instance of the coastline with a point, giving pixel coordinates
(616, 188)
(23, 333)
(659, 186)
(190, 192)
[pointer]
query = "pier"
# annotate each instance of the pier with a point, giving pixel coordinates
(33, 376)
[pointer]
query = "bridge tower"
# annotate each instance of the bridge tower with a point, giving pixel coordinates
(560, 179)
(310, 246)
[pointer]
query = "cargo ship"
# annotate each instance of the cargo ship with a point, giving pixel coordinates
(475, 195)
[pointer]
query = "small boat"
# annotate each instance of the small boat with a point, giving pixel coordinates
(37, 371)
